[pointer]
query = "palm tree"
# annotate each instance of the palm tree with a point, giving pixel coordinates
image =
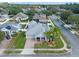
(53, 34)
(49, 35)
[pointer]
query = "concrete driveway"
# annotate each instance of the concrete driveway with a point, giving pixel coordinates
(29, 47)
(4, 45)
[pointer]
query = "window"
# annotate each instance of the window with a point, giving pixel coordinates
(43, 38)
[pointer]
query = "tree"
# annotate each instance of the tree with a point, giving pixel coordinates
(14, 10)
(31, 12)
(54, 33)
(71, 6)
(46, 12)
(64, 15)
(74, 19)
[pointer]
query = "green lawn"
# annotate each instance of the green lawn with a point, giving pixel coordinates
(11, 52)
(1, 36)
(49, 52)
(67, 42)
(18, 42)
(58, 44)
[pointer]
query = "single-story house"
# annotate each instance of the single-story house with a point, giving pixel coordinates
(40, 9)
(36, 30)
(3, 17)
(10, 28)
(40, 17)
(3, 14)
(20, 16)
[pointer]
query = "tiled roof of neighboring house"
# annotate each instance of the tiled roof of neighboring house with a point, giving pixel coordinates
(41, 17)
(21, 15)
(13, 27)
(36, 29)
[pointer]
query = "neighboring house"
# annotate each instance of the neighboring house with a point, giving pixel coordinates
(61, 9)
(40, 17)
(40, 9)
(20, 16)
(3, 17)
(10, 28)
(36, 8)
(3, 11)
(25, 10)
(36, 30)
(3, 14)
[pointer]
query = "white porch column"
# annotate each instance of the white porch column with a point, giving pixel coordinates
(10, 34)
(40, 38)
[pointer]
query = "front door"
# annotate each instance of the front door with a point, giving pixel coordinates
(38, 38)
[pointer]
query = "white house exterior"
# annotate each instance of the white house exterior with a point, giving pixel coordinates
(36, 30)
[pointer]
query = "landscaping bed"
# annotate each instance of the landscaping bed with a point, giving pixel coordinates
(2, 34)
(58, 44)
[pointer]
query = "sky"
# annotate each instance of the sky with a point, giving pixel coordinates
(44, 2)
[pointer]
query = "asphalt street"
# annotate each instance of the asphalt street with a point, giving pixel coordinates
(74, 40)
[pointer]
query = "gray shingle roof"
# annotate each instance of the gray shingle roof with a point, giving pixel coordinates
(35, 29)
